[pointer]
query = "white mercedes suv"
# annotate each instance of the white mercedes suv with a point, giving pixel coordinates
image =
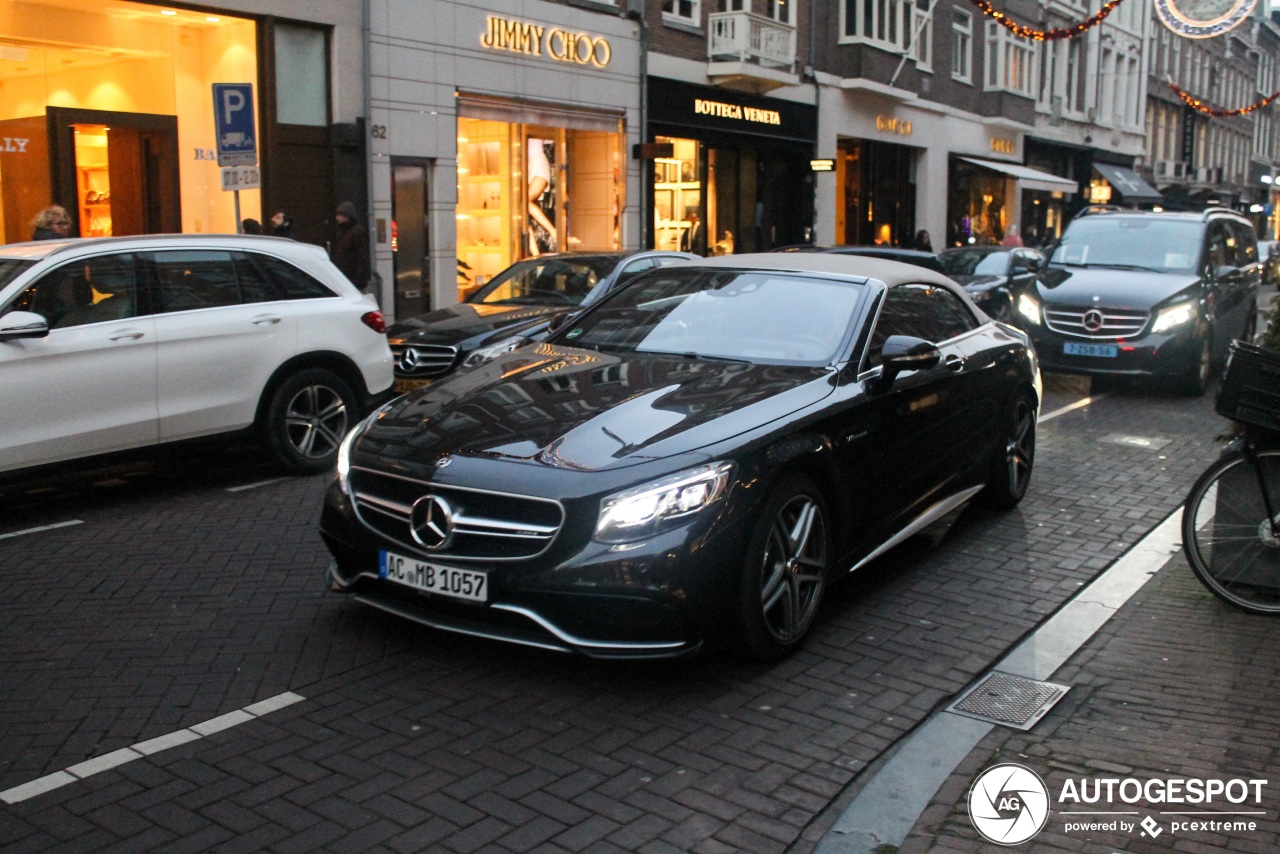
(114, 344)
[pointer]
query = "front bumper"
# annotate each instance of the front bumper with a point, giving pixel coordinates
(1168, 354)
(657, 599)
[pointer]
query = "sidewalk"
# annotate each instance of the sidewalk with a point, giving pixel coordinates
(1176, 685)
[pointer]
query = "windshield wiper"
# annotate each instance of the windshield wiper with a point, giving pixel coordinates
(1129, 267)
(703, 357)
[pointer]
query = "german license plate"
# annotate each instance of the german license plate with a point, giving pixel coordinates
(466, 584)
(403, 386)
(1106, 351)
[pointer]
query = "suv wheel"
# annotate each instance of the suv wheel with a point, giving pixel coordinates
(309, 414)
(1196, 382)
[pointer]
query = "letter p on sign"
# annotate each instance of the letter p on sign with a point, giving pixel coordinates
(236, 134)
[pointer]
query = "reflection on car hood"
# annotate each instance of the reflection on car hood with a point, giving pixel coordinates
(1077, 286)
(585, 410)
(978, 282)
(457, 323)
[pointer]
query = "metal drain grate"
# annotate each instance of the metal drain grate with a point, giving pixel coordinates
(1014, 701)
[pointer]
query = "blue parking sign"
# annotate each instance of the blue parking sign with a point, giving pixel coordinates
(237, 140)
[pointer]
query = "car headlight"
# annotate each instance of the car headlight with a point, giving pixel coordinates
(1029, 308)
(1174, 316)
(643, 511)
(344, 449)
(494, 350)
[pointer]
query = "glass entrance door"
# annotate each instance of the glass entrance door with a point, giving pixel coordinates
(410, 246)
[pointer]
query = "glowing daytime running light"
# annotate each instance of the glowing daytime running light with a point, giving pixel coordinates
(1029, 308)
(1174, 316)
(643, 511)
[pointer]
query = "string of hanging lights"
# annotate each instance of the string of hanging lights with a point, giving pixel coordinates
(1025, 32)
(1201, 107)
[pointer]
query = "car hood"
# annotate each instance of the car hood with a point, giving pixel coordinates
(1133, 289)
(584, 410)
(457, 323)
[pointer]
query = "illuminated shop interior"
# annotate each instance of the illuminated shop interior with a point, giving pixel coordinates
(114, 105)
(529, 189)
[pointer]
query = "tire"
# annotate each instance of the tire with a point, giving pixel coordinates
(1226, 536)
(1010, 472)
(785, 571)
(309, 414)
(1196, 381)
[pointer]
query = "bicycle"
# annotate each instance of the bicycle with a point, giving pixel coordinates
(1231, 522)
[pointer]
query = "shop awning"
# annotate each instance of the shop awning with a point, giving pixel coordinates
(1031, 179)
(1127, 183)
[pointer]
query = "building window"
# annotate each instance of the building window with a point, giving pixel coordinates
(782, 11)
(921, 36)
(962, 46)
(1010, 63)
(683, 11)
(884, 23)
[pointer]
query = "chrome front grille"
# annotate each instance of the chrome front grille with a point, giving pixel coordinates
(423, 360)
(1102, 323)
(488, 526)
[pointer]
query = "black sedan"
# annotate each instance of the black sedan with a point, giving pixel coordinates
(693, 459)
(510, 310)
(991, 274)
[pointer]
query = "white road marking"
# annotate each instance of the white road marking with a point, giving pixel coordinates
(243, 487)
(26, 531)
(1072, 407)
(142, 749)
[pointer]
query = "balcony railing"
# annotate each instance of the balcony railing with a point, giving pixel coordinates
(745, 37)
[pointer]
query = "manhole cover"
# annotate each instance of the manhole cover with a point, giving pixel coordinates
(1015, 701)
(1148, 442)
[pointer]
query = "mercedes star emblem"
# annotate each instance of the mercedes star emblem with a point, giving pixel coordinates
(444, 462)
(1092, 320)
(408, 359)
(431, 522)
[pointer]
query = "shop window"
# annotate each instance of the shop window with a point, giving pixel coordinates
(302, 96)
(677, 198)
(135, 83)
(962, 46)
(515, 182)
(683, 11)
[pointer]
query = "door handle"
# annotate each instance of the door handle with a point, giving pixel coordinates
(126, 335)
(954, 363)
(266, 320)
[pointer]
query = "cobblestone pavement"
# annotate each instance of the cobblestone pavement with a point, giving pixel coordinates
(1177, 685)
(176, 601)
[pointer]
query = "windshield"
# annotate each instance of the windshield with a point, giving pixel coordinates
(767, 317)
(11, 269)
(547, 281)
(974, 262)
(1148, 243)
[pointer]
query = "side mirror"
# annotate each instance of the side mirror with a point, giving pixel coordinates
(23, 324)
(1225, 271)
(560, 321)
(906, 353)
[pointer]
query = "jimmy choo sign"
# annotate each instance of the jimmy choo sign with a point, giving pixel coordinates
(552, 42)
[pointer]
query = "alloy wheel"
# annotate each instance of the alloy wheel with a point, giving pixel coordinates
(316, 421)
(1020, 447)
(795, 560)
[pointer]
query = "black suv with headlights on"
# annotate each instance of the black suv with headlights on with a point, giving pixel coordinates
(1138, 293)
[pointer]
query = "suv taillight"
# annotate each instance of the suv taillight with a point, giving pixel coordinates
(375, 321)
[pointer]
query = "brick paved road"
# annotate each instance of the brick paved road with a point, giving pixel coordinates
(1178, 685)
(177, 601)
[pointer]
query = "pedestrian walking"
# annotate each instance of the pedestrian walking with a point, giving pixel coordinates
(52, 223)
(281, 225)
(250, 226)
(351, 250)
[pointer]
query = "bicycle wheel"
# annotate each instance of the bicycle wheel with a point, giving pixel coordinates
(1227, 537)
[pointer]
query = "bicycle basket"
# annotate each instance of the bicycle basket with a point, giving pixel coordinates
(1250, 391)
